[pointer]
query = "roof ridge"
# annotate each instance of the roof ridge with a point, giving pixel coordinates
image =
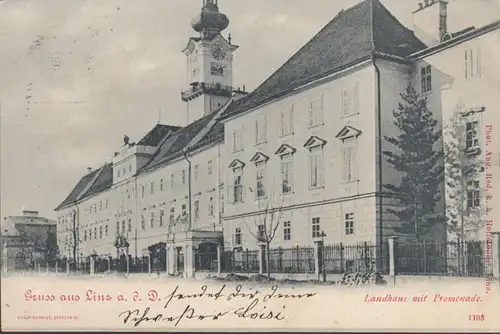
(306, 44)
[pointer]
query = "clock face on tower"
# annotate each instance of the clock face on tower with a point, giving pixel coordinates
(218, 52)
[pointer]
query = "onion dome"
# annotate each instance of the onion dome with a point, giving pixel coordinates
(210, 21)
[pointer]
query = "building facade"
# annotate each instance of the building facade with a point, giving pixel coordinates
(24, 239)
(299, 158)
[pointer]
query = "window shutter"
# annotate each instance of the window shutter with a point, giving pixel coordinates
(354, 162)
(290, 125)
(311, 114)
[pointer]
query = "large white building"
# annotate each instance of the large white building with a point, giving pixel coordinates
(304, 148)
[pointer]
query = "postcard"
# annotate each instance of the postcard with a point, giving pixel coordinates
(250, 165)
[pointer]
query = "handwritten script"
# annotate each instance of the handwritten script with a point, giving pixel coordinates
(256, 305)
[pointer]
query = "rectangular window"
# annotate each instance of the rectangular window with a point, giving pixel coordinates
(183, 210)
(183, 176)
(471, 135)
(85, 235)
(261, 179)
(123, 227)
(237, 186)
(222, 203)
(151, 188)
(197, 209)
(172, 216)
(315, 167)
(349, 162)
(142, 191)
(95, 232)
(143, 222)
(260, 233)
(287, 121)
(106, 230)
(196, 171)
(287, 230)
(237, 237)
(129, 225)
(130, 168)
(152, 220)
(161, 184)
(350, 100)
(210, 167)
(211, 207)
(260, 130)
(316, 111)
(162, 214)
(100, 232)
(117, 228)
(100, 205)
(172, 181)
(316, 228)
(237, 140)
(106, 204)
(473, 192)
(286, 173)
(472, 64)
(217, 69)
(349, 223)
(425, 79)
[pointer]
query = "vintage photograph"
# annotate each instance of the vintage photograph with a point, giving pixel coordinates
(263, 165)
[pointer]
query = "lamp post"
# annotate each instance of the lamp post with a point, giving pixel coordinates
(323, 235)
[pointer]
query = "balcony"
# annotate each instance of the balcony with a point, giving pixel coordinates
(200, 88)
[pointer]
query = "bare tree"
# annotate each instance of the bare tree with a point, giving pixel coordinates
(266, 224)
(463, 166)
(34, 239)
(73, 230)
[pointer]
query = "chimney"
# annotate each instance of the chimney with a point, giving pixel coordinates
(430, 21)
(29, 213)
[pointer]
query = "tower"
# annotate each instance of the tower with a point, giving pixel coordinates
(209, 63)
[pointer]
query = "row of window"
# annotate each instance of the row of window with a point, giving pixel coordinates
(348, 170)
(350, 106)
(183, 179)
(103, 205)
(287, 230)
(123, 171)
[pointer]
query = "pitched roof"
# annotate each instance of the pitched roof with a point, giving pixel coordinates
(172, 147)
(356, 34)
(79, 187)
(156, 134)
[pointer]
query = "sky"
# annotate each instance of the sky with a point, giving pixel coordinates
(76, 76)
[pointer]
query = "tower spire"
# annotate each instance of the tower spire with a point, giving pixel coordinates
(210, 22)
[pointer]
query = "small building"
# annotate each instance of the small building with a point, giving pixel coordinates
(24, 239)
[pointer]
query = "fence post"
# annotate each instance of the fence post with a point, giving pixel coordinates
(57, 267)
(219, 258)
(149, 264)
(317, 249)
(47, 267)
(342, 258)
(261, 259)
(128, 265)
(247, 264)
(67, 267)
(495, 254)
(392, 257)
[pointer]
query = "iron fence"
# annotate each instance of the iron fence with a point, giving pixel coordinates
(363, 257)
(448, 258)
(241, 261)
(291, 260)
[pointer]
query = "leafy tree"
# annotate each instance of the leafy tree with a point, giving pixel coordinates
(419, 163)
(461, 167)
